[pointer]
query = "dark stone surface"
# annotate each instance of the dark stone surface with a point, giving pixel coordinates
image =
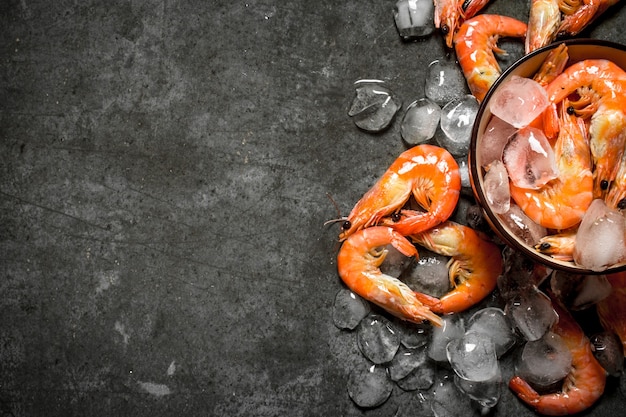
(163, 188)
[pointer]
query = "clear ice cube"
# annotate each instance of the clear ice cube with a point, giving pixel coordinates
(429, 274)
(522, 226)
(420, 121)
(497, 190)
(376, 339)
(369, 386)
(494, 139)
(349, 309)
(532, 313)
(493, 322)
(374, 106)
(473, 356)
(545, 361)
(445, 81)
(414, 18)
(519, 101)
(457, 121)
(452, 328)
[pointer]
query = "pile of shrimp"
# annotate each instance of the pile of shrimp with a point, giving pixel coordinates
(581, 121)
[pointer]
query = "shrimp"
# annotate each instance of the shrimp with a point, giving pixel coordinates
(543, 23)
(563, 201)
(475, 44)
(559, 246)
(578, 16)
(358, 264)
(602, 87)
(616, 197)
(450, 14)
(612, 309)
(430, 173)
(474, 266)
(582, 386)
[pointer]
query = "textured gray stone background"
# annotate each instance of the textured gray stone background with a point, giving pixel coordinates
(163, 188)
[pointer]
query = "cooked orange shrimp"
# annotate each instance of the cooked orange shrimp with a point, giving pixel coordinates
(616, 197)
(612, 309)
(562, 202)
(448, 17)
(553, 65)
(474, 266)
(430, 173)
(602, 87)
(358, 262)
(582, 386)
(475, 44)
(543, 23)
(579, 14)
(559, 246)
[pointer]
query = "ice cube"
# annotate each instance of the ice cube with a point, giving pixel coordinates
(532, 313)
(473, 356)
(457, 120)
(608, 350)
(414, 18)
(349, 309)
(519, 101)
(545, 361)
(600, 238)
(420, 121)
(486, 393)
(447, 401)
(493, 322)
(529, 159)
(494, 139)
(466, 185)
(578, 291)
(374, 106)
(452, 328)
(369, 386)
(412, 370)
(496, 185)
(522, 226)
(445, 81)
(395, 262)
(376, 339)
(411, 335)
(429, 274)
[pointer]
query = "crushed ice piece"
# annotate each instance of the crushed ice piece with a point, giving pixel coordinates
(522, 226)
(349, 309)
(600, 237)
(473, 356)
(529, 159)
(578, 291)
(429, 274)
(486, 393)
(414, 18)
(412, 335)
(496, 185)
(493, 322)
(395, 262)
(420, 121)
(452, 328)
(464, 172)
(412, 370)
(376, 339)
(457, 120)
(369, 386)
(494, 139)
(519, 101)
(609, 352)
(374, 106)
(532, 313)
(449, 401)
(545, 361)
(445, 81)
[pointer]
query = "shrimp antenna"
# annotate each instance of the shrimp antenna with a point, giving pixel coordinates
(340, 218)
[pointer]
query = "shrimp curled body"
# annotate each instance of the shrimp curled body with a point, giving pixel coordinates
(473, 269)
(358, 262)
(430, 173)
(475, 44)
(584, 384)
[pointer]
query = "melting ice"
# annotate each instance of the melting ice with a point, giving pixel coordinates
(420, 121)
(519, 101)
(374, 106)
(457, 121)
(414, 18)
(376, 339)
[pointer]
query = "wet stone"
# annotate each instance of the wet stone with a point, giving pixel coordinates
(374, 106)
